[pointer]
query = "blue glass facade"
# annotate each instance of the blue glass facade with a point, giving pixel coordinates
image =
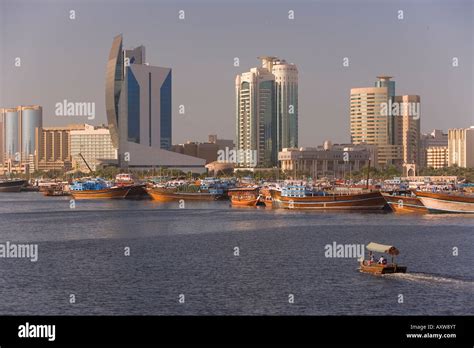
(268, 113)
(133, 95)
(11, 134)
(165, 113)
(30, 120)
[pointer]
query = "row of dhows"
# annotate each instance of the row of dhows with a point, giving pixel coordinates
(292, 196)
(302, 198)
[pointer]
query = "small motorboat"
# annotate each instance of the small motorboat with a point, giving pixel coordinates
(377, 267)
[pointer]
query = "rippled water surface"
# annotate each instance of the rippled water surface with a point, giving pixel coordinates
(191, 252)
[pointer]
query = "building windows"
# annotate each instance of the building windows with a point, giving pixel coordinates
(165, 111)
(133, 107)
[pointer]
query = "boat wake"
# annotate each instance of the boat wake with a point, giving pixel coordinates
(431, 278)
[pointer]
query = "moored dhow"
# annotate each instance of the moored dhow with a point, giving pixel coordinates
(13, 185)
(299, 197)
(404, 202)
(437, 202)
(244, 196)
(165, 194)
(97, 189)
(137, 190)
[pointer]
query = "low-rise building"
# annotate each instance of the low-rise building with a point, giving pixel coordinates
(461, 147)
(93, 145)
(436, 157)
(333, 161)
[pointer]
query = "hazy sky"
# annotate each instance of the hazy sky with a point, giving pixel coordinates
(66, 59)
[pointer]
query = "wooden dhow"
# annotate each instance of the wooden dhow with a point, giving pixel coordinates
(404, 203)
(292, 199)
(437, 202)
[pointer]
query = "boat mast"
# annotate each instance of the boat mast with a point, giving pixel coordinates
(368, 175)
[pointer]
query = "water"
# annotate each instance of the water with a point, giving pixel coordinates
(191, 251)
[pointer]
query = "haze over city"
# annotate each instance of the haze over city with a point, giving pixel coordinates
(66, 59)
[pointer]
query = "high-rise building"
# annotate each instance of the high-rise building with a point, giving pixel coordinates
(390, 122)
(286, 98)
(461, 147)
(407, 128)
(256, 115)
(19, 130)
(12, 134)
(2, 139)
(138, 105)
(266, 110)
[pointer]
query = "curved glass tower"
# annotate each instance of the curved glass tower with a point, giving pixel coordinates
(139, 111)
(31, 118)
(12, 126)
(113, 87)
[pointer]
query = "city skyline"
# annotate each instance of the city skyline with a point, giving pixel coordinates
(74, 69)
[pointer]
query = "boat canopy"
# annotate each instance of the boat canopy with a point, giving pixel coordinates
(381, 248)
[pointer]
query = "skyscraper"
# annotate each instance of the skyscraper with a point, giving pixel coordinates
(390, 122)
(2, 138)
(138, 105)
(407, 129)
(19, 132)
(256, 116)
(267, 110)
(31, 118)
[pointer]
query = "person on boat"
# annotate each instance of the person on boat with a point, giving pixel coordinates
(382, 260)
(371, 258)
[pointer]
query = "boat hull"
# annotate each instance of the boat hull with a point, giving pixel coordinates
(12, 186)
(244, 197)
(110, 193)
(137, 192)
(244, 202)
(164, 195)
(446, 203)
(404, 204)
(382, 269)
(362, 201)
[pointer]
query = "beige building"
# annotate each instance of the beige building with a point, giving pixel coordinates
(333, 162)
(207, 151)
(94, 144)
(54, 148)
(436, 157)
(392, 123)
(407, 128)
(437, 138)
(222, 143)
(461, 147)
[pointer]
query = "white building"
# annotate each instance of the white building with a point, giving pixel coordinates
(267, 110)
(461, 147)
(94, 144)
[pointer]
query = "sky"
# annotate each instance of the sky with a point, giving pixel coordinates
(63, 58)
